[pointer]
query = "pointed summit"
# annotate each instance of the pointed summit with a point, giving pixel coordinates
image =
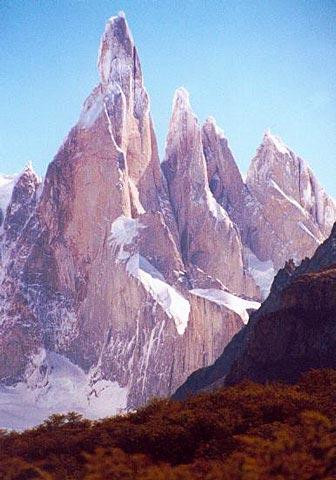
(184, 130)
(21, 203)
(211, 124)
(201, 220)
(116, 49)
(29, 169)
(118, 110)
(281, 181)
(274, 141)
(181, 99)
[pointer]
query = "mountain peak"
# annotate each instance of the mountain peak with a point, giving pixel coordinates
(181, 99)
(116, 47)
(210, 123)
(274, 141)
(29, 168)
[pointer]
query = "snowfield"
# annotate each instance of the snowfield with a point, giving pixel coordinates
(56, 385)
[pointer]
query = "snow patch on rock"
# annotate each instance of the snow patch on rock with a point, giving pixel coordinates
(306, 230)
(288, 198)
(232, 302)
(263, 272)
(92, 108)
(212, 121)
(216, 210)
(173, 303)
(181, 99)
(124, 231)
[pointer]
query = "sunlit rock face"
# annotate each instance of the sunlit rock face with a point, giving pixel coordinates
(281, 211)
(290, 205)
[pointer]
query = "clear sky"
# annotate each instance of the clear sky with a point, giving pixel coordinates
(251, 64)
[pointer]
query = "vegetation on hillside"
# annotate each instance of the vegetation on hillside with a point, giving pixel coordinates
(247, 432)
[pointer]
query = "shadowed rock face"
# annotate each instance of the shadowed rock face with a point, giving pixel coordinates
(136, 277)
(21, 206)
(293, 331)
(20, 334)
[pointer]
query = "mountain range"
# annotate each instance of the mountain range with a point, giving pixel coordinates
(121, 274)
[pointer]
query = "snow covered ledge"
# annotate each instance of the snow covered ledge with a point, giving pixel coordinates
(124, 232)
(232, 302)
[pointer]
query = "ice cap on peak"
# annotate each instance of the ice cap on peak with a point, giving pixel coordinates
(121, 14)
(28, 170)
(274, 140)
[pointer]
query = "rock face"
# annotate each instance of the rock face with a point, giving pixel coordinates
(208, 238)
(97, 274)
(281, 211)
(293, 331)
(125, 277)
(224, 177)
(19, 333)
(291, 205)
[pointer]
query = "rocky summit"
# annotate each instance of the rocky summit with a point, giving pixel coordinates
(121, 275)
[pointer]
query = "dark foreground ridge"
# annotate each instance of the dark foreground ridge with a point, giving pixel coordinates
(248, 431)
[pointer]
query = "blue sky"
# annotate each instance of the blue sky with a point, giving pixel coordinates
(250, 64)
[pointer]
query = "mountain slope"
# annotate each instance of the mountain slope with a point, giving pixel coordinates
(290, 205)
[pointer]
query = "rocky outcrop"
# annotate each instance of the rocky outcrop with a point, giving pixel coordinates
(292, 332)
(20, 335)
(22, 204)
(7, 183)
(281, 211)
